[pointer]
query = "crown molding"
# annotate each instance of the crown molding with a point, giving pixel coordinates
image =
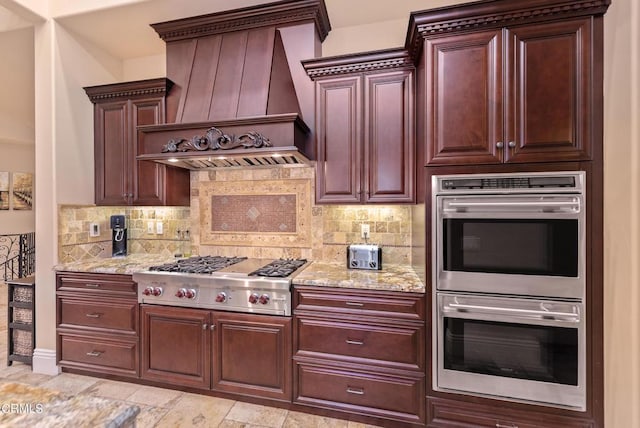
(125, 90)
(386, 59)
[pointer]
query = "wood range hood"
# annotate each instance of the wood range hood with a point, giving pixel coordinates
(240, 96)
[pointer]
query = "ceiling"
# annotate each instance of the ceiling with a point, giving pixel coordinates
(124, 31)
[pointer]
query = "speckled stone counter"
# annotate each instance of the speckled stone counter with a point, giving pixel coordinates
(122, 265)
(391, 278)
(32, 406)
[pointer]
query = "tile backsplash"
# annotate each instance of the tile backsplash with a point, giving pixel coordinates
(266, 213)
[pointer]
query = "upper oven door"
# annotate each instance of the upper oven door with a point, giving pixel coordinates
(511, 244)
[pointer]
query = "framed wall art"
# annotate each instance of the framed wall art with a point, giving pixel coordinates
(4, 190)
(22, 190)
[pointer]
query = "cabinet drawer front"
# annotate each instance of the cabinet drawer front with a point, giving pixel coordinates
(373, 394)
(98, 354)
(387, 304)
(97, 284)
(107, 315)
(396, 346)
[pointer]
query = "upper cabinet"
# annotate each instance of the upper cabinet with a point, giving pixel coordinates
(364, 127)
(508, 86)
(120, 179)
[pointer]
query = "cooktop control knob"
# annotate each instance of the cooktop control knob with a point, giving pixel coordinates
(181, 293)
(222, 297)
(157, 291)
(264, 299)
(190, 293)
(148, 291)
(254, 298)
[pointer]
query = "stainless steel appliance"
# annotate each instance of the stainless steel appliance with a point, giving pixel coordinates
(509, 286)
(521, 349)
(236, 284)
(520, 234)
(364, 256)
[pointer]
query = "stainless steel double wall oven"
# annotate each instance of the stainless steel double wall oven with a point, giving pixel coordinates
(509, 276)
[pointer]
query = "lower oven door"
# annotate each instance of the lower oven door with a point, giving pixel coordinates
(514, 349)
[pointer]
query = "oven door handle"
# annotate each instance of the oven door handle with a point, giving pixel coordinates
(570, 206)
(544, 315)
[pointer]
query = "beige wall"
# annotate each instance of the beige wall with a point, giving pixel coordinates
(622, 214)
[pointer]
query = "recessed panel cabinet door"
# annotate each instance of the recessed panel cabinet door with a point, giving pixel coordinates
(252, 355)
(339, 133)
(111, 153)
(550, 80)
(389, 137)
(148, 177)
(464, 98)
(176, 346)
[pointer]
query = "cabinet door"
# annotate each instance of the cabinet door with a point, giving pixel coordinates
(549, 92)
(148, 178)
(389, 137)
(252, 355)
(464, 98)
(111, 154)
(339, 136)
(176, 346)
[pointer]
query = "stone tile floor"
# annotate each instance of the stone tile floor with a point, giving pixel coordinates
(162, 407)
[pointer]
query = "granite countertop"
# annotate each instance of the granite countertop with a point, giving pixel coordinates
(121, 265)
(390, 278)
(32, 406)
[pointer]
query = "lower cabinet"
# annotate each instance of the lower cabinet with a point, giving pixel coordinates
(360, 352)
(231, 352)
(453, 413)
(97, 323)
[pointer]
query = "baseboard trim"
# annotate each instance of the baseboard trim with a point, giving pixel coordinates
(44, 362)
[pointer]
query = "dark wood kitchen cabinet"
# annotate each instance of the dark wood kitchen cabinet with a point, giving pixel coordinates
(360, 351)
(231, 352)
(514, 94)
(120, 179)
(97, 323)
(365, 127)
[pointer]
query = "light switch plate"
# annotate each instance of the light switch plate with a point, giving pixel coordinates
(159, 228)
(150, 228)
(94, 229)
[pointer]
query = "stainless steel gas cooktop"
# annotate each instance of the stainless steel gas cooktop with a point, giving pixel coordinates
(236, 284)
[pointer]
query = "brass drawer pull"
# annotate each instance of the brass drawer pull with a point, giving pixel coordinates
(354, 342)
(499, 425)
(92, 285)
(356, 391)
(94, 315)
(94, 353)
(354, 304)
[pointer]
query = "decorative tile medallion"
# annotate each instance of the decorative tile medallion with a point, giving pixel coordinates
(253, 213)
(275, 213)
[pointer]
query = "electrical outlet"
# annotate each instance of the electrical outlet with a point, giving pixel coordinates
(364, 230)
(94, 229)
(159, 228)
(150, 228)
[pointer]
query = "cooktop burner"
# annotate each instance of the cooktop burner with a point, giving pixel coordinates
(204, 264)
(279, 268)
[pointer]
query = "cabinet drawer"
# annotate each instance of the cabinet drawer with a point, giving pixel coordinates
(401, 347)
(367, 393)
(365, 302)
(451, 413)
(101, 355)
(111, 315)
(97, 284)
